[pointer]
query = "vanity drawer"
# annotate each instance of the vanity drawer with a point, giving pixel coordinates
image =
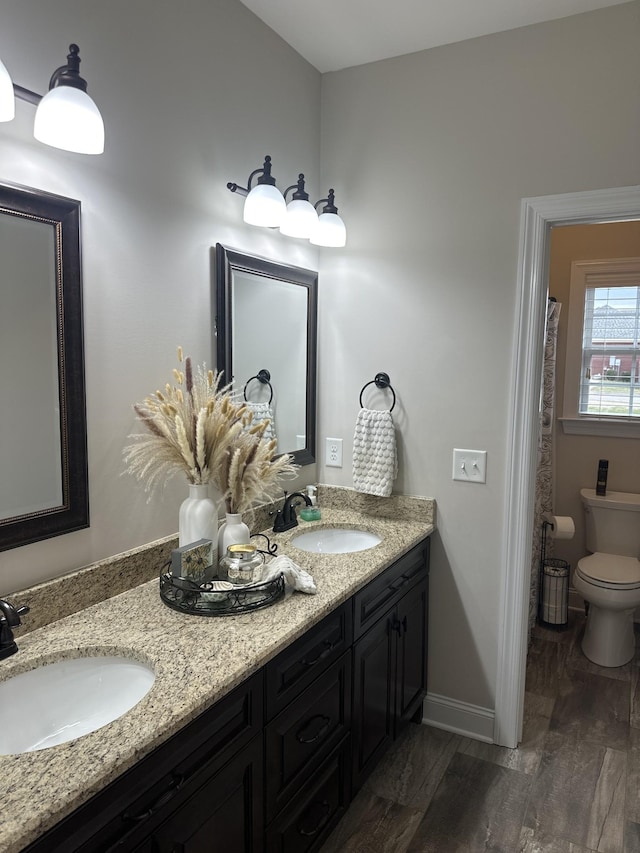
(383, 592)
(299, 665)
(308, 819)
(306, 731)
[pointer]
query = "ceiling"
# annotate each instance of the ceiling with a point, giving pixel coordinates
(334, 34)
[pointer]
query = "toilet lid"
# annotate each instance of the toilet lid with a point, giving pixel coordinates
(611, 569)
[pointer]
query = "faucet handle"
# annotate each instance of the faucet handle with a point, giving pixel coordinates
(10, 614)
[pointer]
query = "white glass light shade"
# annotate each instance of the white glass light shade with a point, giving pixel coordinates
(301, 219)
(7, 99)
(330, 231)
(67, 118)
(264, 206)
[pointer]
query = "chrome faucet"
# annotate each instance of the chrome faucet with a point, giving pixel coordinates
(286, 517)
(9, 618)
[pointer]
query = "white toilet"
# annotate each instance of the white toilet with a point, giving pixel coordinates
(609, 579)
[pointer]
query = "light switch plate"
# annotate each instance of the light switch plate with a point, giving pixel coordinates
(470, 465)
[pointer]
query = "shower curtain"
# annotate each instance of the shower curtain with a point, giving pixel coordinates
(544, 473)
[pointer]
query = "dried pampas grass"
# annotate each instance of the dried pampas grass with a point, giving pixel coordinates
(197, 429)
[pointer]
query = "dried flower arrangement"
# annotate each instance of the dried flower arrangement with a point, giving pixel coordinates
(196, 428)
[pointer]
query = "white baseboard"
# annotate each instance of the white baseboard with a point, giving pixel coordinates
(461, 718)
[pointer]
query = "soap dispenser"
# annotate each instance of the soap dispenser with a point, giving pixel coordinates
(311, 513)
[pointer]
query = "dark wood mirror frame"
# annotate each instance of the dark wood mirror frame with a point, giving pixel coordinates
(228, 261)
(63, 214)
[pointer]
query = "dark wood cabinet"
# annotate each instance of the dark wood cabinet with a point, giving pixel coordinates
(313, 813)
(389, 659)
(124, 816)
(217, 812)
(304, 733)
(272, 767)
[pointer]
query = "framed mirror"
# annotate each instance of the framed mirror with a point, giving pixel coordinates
(266, 343)
(43, 447)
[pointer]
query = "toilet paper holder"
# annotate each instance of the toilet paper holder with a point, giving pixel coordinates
(553, 584)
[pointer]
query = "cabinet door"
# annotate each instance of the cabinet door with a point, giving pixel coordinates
(411, 658)
(373, 681)
(223, 814)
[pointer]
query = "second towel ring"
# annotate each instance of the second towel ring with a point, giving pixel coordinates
(262, 376)
(381, 380)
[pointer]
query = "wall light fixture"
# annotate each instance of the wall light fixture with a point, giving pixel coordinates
(301, 218)
(330, 230)
(265, 205)
(66, 117)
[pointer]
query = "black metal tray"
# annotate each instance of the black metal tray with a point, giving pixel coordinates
(201, 600)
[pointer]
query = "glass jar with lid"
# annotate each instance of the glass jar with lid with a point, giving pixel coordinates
(243, 563)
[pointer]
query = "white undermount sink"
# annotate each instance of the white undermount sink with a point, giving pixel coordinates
(64, 700)
(335, 540)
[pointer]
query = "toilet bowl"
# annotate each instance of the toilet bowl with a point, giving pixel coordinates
(609, 579)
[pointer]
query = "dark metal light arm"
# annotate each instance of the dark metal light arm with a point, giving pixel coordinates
(66, 75)
(69, 74)
(265, 178)
(329, 203)
(26, 95)
(299, 194)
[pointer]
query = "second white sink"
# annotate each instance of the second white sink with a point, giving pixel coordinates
(335, 540)
(64, 700)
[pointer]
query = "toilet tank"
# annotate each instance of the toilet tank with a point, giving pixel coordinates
(612, 522)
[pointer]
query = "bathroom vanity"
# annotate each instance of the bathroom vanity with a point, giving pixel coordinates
(259, 729)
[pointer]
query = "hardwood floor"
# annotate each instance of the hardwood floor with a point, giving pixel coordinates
(572, 786)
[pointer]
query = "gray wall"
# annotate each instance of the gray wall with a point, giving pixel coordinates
(432, 153)
(193, 95)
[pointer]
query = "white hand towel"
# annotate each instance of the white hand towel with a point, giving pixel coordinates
(295, 578)
(375, 461)
(262, 412)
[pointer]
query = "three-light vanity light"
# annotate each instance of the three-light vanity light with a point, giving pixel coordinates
(66, 117)
(266, 206)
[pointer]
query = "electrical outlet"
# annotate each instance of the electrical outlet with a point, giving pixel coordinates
(470, 465)
(333, 452)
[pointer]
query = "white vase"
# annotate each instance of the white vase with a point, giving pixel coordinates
(232, 532)
(198, 519)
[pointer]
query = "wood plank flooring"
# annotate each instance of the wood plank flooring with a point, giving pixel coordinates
(572, 786)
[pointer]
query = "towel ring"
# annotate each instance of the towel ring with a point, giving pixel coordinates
(262, 376)
(381, 381)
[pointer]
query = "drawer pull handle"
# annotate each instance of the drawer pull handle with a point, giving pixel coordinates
(329, 647)
(323, 817)
(404, 625)
(162, 800)
(325, 722)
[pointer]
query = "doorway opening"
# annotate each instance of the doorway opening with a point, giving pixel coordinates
(538, 216)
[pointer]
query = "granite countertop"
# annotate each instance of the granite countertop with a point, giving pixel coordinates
(196, 661)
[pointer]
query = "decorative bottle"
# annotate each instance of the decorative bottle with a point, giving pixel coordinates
(198, 518)
(233, 531)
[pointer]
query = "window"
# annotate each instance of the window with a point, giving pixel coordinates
(602, 376)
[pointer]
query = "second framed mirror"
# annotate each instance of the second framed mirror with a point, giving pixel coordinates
(266, 343)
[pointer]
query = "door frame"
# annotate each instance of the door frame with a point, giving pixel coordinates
(537, 217)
